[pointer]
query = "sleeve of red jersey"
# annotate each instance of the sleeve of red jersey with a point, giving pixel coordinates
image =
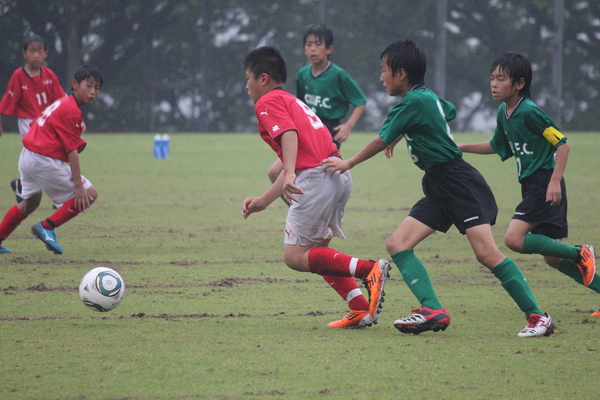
(12, 96)
(69, 133)
(276, 119)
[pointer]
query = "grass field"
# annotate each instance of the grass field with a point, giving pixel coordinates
(211, 311)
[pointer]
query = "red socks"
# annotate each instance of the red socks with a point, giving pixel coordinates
(327, 261)
(349, 291)
(62, 215)
(11, 221)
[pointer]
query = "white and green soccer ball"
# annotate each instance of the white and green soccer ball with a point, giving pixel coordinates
(102, 289)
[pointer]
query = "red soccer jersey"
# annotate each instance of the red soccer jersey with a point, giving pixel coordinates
(57, 131)
(27, 97)
(278, 111)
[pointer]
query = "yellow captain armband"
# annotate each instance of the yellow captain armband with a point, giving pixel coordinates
(552, 135)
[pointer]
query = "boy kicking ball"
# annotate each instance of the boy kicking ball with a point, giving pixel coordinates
(318, 200)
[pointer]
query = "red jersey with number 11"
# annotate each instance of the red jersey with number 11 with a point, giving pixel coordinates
(27, 97)
(278, 112)
(57, 131)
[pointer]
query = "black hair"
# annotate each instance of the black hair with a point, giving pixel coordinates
(33, 39)
(321, 32)
(266, 60)
(517, 67)
(87, 71)
(404, 54)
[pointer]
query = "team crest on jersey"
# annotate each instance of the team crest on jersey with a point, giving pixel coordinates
(24, 87)
(275, 128)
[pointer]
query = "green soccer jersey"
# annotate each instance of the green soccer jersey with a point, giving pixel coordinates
(529, 135)
(330, 93)
(422, 117)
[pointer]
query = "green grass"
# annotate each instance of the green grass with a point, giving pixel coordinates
(211, 311)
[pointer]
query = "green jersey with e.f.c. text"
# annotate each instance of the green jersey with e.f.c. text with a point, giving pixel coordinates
(422, 118)
(330, 93)
(529, 135)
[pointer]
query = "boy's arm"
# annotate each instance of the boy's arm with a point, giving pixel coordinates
(0, 124)
(285, 183)
(344, 130)
(553, 193)
(375, 146)
(82, 197)
(477, 148)
(289, 146)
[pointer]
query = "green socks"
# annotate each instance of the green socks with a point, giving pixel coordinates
(540, 244)
(416, 277)
(514, 282)
(569, 268)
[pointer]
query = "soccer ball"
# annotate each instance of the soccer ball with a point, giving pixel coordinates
(102, 289)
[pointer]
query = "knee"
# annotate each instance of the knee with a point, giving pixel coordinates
(513, 242)
(394, 246)
(293, 261)
(490, 259)
(94, 193)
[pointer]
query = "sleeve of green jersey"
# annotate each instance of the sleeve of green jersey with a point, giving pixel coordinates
(541, 123)
(499, 142)
(353, 94)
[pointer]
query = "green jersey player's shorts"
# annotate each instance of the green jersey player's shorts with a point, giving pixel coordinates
(455, 194)
(535, 209)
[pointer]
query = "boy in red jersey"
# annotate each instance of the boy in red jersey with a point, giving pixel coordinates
(30, 90)
(318, 200)
(53, 141)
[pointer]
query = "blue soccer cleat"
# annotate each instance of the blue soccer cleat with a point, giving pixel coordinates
(4, 249)
(47, 236)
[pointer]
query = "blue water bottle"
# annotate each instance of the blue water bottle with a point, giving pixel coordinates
(157, 146)
(166, 146)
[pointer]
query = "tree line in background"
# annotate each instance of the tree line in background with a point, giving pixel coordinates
(176, 65)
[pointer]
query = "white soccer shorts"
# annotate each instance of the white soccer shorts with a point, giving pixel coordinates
(319, 212)
(49, 175)
(24, 125)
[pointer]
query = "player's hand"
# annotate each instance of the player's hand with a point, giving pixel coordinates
(553, 193)
(83, 127)
(1, 131)
(343, 132)
(336, 165)
(252, 205)
(83, 199)
(290, 189)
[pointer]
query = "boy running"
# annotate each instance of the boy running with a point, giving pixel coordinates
(30, 90)
(53, 141)
(318, 201)
(455, 193)
(326, 88)
(526, 133)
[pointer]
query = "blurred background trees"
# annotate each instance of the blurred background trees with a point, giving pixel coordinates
(176, 65)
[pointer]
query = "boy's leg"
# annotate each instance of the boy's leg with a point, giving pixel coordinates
(431, 315)
(518, 239)
(326, 261)
(348, 290)
(15, 215)
(512, 280)
(44, 230)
